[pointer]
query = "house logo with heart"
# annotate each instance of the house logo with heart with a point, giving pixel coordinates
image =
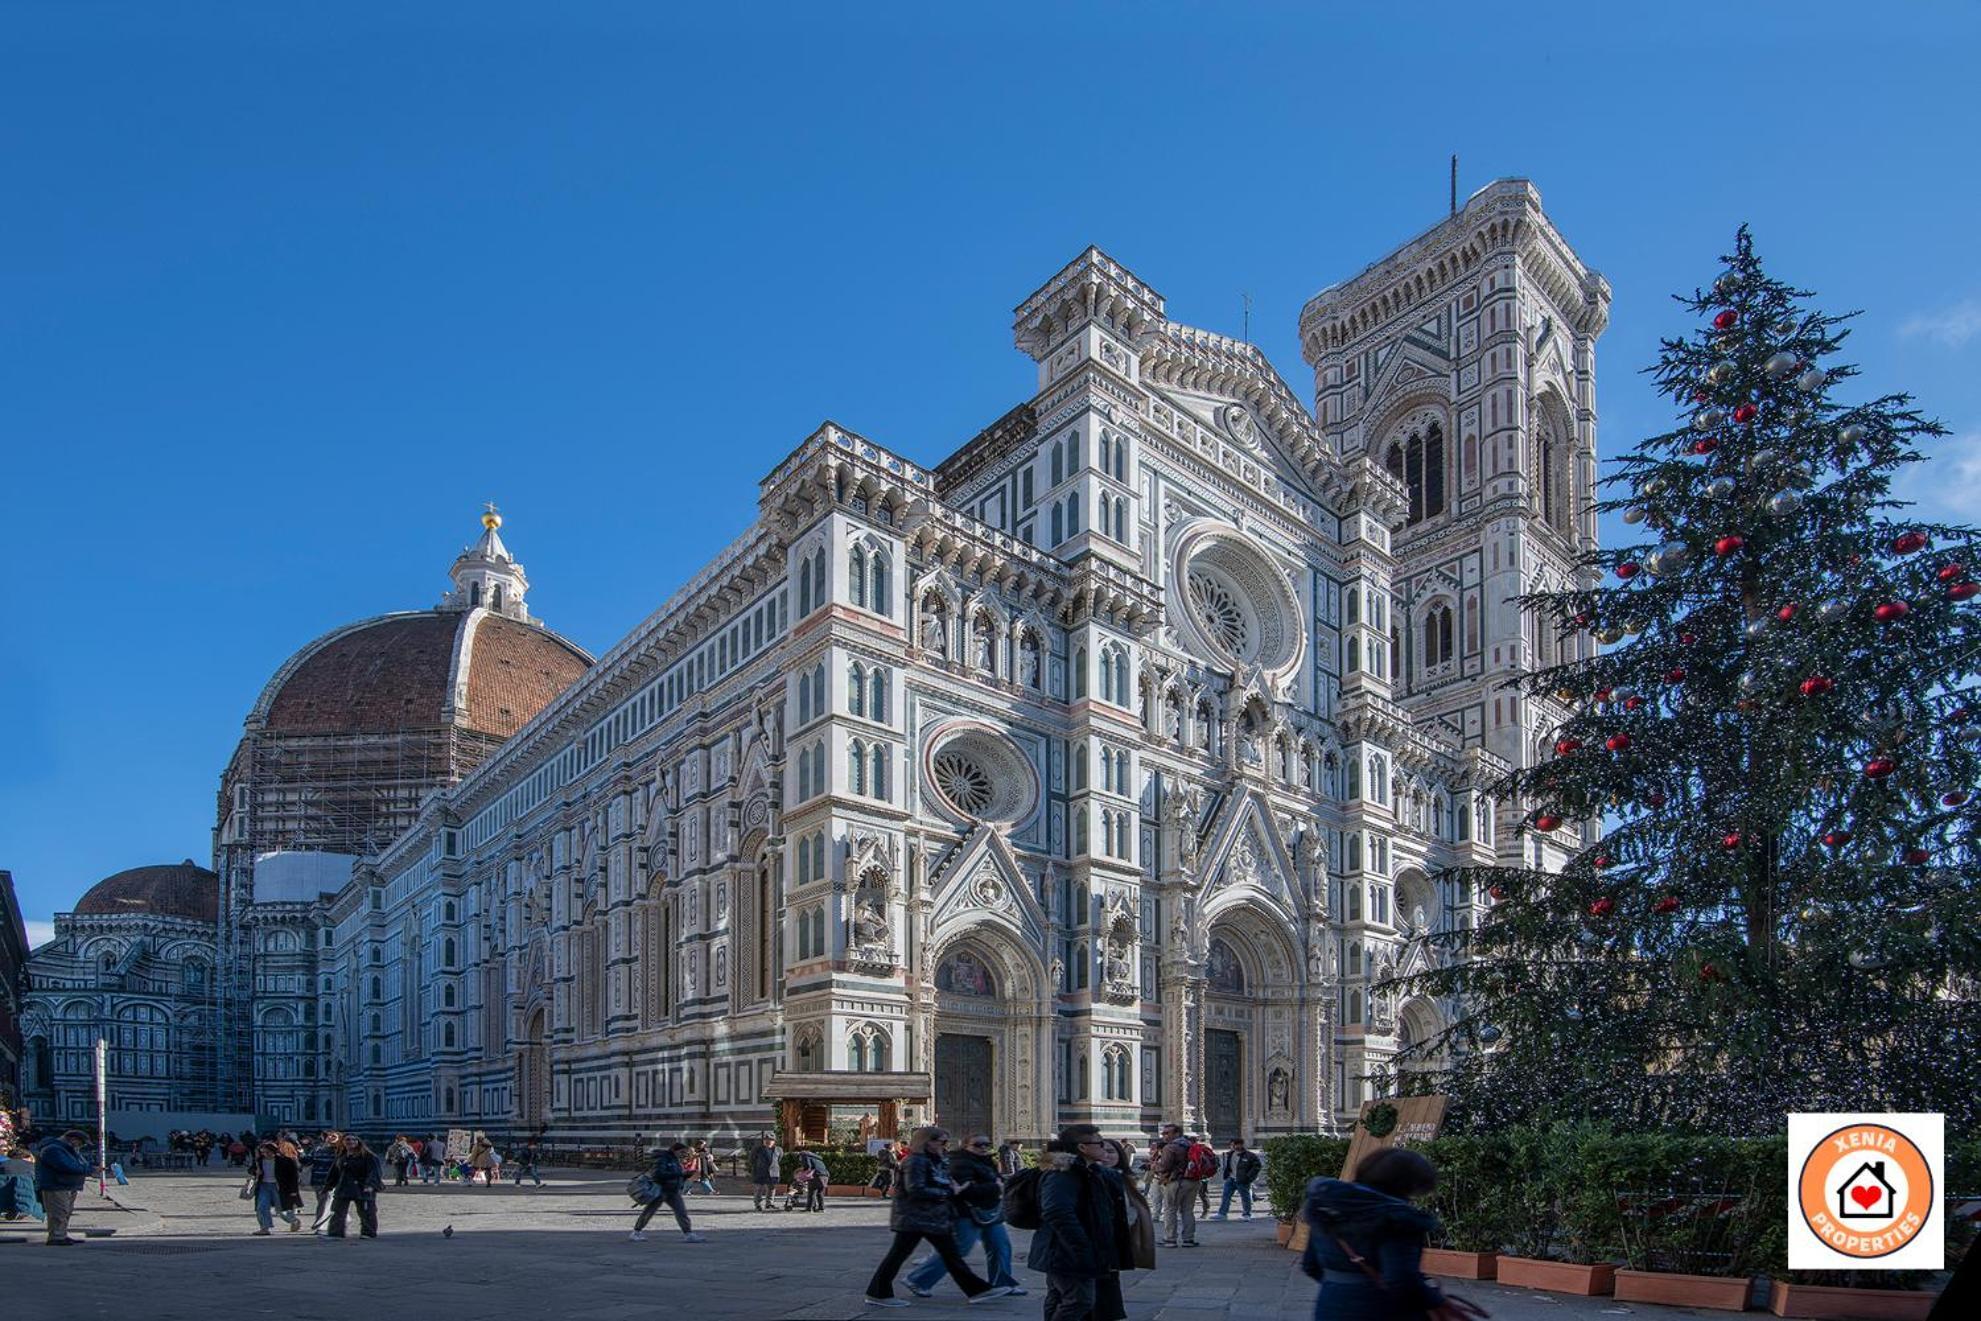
(1867, 1189)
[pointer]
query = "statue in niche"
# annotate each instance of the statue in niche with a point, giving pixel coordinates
(1028, 660)
(1311, 852)
(935, 628)
(1120, 968)
(984, 644)
(871, 935)
(1279, 1092)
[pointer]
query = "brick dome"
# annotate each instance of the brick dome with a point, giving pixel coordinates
(421, 670)
(177, 889)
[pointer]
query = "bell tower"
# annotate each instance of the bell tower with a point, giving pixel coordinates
(487, 575)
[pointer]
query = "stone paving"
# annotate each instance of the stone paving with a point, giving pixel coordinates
(181, 1248)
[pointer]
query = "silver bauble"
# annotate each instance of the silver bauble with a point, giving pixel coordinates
(1720, 487)
(1812, 913)
(1883, 720)
(1634, 515)
(1676, 555)
(1757, 627)
(1810, 381)
(1608, 635)
(1968, 733)
(1854, 434)
(1652, 487)
(1720, 372)
(1750, 682)
(1865, 960)
(1779, 365)
(1760, 459)
(1784, 502)
(1726, 284)
(1707, 418)
(1833, 609)
(1800, 474)
(1489, 1034)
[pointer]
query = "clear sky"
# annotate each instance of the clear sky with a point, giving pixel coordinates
(288, 290)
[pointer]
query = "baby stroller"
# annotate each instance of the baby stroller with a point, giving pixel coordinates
(801, 1189)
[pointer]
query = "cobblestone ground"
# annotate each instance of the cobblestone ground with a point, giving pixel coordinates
(180, 1246)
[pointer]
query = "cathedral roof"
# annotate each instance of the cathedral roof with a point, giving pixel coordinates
(421, 669)
(174, 889)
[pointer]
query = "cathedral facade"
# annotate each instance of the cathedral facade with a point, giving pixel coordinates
(1102, 771)
(1099, 771)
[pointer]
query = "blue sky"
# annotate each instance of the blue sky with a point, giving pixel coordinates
(287, 291)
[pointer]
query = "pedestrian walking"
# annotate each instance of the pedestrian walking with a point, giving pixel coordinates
(924, 1208)
(356, 1176)
(1240, 1168)
(1141, 1220)
(322, 1156)
(812, 1162)
(889, 1173)
(399, 1155)
(666, 1177)
(703, 1172)
(526, 1164)
(273, 1182)
(979, 1218)
(1179, 1190)
(483, 1164)
(1083, 1236)
(765, 1161)
(435, 1162)
(1366, 1243)
(1010, 1158)
(202, 1146)
(60, 1168)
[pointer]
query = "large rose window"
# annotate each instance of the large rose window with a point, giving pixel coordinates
(978, 774)
(1236, 606)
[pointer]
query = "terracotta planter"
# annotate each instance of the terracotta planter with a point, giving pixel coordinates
(1558, 1276)
(1461, 1265)
(1283, 1234)
(1872, 1304)
(845, 1189)
(1728, 1292)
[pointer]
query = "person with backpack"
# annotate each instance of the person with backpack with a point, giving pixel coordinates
(665, 1179)
(1240, 1167)
(1181, 1174)
(1081, 1243)
(979, 1216)
(924, 1207)
(1366, 1243)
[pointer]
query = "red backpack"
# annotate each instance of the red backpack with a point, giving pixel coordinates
(1201, 1162)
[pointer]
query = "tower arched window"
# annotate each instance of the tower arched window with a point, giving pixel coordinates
(1058, 522)
(856, 766)
(877, 695)
(1058, 462)
(1080, 767)
(878, 777)
(1418, 462)
(1073, 514)
(1437, 636)
(856, 574)
(856, 689)
(474, 595)
(1552, 460)
(1080, 672)
(877, 585)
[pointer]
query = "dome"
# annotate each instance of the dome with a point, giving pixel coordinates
(421, 670)
(176, 889)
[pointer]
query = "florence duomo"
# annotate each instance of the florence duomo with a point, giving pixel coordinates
(1104, 770)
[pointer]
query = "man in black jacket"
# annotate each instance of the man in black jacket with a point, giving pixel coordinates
(666, 1176)
(765, 1170)
(1240, 1168)
(1083, 1231)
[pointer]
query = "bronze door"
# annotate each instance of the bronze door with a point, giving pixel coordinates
(963, 1085)
(1224, 1109)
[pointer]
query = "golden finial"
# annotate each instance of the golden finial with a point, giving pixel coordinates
(490, 517)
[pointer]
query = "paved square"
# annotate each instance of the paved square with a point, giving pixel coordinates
(183, 1251)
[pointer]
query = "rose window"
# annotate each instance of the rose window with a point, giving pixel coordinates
(964, 783)
(1219, 612)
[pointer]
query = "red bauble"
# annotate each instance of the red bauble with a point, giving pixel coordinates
(1890, 611)
(1626, 571)
(1567, 745)
(1958, 716)
(1617, 742)
(1728, 545)
(1602, 694)
(1907, 542)
(1786, 613)
(1674, 676)
(1726, 320)
(1949, 572)
(1879, 767)
(1601, 861)
(1601, 907)
(1962, 591)
(1582, 620)
(1746, 413)
(1730, 840)
(1655, 798)
(1668, 904)
(1687, 639)
(1836, 839)
(1816, 685)
(1632, 703)
(1546, 821)
(1956, 798)
(1705, 445)
(1917, 857)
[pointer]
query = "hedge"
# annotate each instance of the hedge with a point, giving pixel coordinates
(1584, 1192)
(841, 1166)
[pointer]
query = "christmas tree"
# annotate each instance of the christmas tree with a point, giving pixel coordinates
(1774, 714)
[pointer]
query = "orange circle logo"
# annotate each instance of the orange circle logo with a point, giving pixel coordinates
(1866, 1190)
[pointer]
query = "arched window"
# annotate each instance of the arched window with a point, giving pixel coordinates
(474, 595)
(1079, 832)
(1058, 522)
(866, 1050)
(447, 952)
(856, 766)
(1084, 1074)
(1355, 952)
(1107, 451)
(446, 995)
(1079, 672)
(856, 689)
(1437, 636)
(447, 1034)
(877, 696)
(818, 578)
(1418, 462)
(1080, 766)
(1354, 896)
(1058, 462)
(877, 781)
(856, 574)
(877, 598)
(1073, 514)
(495, 596)
(1552, 460)
(1354, 1006)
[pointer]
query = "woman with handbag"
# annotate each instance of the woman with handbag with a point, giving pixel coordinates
(924, 1207)
(979, 1217)
(1366, 1244)
(274, 1183)
(1109, 1305)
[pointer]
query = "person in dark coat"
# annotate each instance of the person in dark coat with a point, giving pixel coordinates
(357, 1175)
(1366, 1242)
(815, 1190)
(1083, 1225)
(276, 1180)
(60, 1170)
(924, 1207)
(667, 1176)
(766, 1162)
(322, 1156)
(979, 1218)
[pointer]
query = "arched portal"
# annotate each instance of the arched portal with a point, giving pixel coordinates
(991, 1022)
(533, 1086)
(1252, 1062)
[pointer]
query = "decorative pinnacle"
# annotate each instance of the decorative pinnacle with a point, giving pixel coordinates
(491, 518)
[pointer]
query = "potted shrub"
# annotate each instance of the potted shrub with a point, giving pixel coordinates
(1545, 1169)
(1694, 1218)
(1470, 1204)
(1292, 1162)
